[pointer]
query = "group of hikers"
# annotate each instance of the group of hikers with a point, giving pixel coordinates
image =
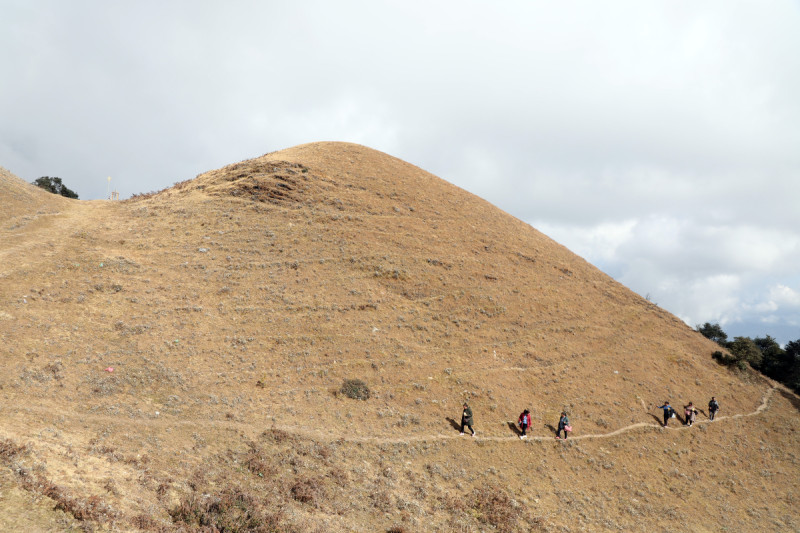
(524, 421)
(689, 411)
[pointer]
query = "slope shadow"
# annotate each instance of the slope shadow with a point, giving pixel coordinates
(794, 400)
(453, 423)
(515, 429)
(659, 419)
(551, 427)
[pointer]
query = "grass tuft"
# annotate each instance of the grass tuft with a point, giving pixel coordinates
(355, 389)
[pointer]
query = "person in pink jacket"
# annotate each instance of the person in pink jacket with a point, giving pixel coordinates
(524, 422)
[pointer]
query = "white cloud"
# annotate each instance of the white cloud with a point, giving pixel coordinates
(657, 139)
(718, 274)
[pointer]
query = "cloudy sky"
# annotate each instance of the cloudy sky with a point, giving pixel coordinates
(659, 140)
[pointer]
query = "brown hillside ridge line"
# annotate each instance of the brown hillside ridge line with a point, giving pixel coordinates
(182, 357)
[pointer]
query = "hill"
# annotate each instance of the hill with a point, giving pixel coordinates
(177, 360)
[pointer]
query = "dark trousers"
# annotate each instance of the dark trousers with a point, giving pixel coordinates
(559, 430)
(666, 418)
(468, 424)
(524, 428)
(711, 414)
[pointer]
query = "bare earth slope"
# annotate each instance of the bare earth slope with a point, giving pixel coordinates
(177, 359)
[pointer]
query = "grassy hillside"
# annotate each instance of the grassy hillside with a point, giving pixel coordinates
(176, 361)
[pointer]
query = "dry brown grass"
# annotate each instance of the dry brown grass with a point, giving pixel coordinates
(178, 358)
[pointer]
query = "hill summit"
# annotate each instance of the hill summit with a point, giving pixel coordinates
(182, 359)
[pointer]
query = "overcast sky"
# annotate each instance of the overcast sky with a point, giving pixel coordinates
(660, 140)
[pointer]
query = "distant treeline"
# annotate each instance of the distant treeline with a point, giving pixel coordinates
(55, 186)
(762, 353)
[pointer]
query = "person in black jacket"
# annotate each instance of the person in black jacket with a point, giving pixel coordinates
(466, 419)
(713, 407)
(563, 423)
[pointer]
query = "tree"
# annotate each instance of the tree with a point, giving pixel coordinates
(793, 360)
(745, 350)
(775, 363)
(55, 186)
(713, 332)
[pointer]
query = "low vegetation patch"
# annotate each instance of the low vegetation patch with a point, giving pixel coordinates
(232, 510)
(355, 389)
(308, 490)
(9, 450)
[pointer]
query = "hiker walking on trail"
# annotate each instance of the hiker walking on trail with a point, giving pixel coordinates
(524, 422)
(713, 407)
(466, 419)
(669, 412)
(563, 424)
(690, 412)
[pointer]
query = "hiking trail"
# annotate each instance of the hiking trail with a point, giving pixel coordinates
(166, 421)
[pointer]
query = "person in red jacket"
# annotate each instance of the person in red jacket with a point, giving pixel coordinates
(524, 422)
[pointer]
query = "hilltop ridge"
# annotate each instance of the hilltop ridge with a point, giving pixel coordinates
(187, 342)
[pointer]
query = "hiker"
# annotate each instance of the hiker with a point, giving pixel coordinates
(713, 407)
(466, 419)
(691, 413)
(524, 422)
(563, 424)
(669, 412)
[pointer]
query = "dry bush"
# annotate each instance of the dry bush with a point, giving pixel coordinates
(146, 522)
(381, 499)
(308, 490)
(277, 436)
(9, 450)
(258, 462)
(339, 476)
(232, 510)
(92, 508)
(496, 507)
(355, 389)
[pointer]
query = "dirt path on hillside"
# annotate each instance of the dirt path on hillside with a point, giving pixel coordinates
(44, 234)
(165, 422)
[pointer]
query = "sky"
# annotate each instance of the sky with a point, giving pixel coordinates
(658, 140)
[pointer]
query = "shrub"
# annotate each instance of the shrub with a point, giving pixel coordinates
(495, 507)
(9, 450)
(308, 490)
(744, 349)
(92, 508)
(355, 389)
(722, 359)
(231, 510)
(258, 462)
